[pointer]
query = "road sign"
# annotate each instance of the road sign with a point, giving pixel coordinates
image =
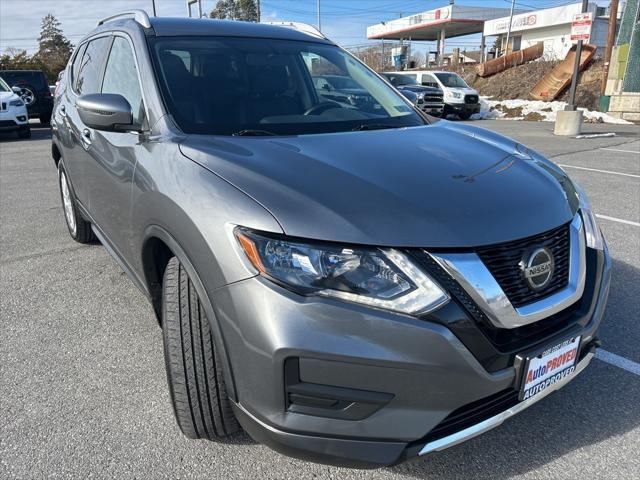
(581, 27)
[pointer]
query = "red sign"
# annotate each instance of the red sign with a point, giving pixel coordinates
(581, 27)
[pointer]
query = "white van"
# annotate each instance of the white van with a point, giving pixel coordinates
(459, 98)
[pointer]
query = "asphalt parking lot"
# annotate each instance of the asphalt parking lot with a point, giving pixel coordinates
(82, 383)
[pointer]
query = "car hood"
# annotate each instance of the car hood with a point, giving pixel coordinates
(463, 90)
(8, 96)
(444, 185)
(419, 89)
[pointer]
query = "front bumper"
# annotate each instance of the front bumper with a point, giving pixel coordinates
(367, 388)
(431, 108)
(456, 108)
(14, 118)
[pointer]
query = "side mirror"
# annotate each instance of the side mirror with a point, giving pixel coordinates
(109, 112)
(327, 87)
(17, 90)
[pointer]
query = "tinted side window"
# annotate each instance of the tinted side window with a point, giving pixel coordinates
(36, 80)
(121, 76)
(88, 79)
(75, 67)
(429, 81)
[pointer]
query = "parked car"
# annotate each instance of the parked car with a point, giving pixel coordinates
(34, 91)
(345, 90)
(349, 287)
(13, 112)
(459, 98)
(429, 99)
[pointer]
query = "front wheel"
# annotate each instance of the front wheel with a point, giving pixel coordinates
(465, 115)
(194, 371)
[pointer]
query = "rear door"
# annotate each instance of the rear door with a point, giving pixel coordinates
(86, 74)
(109, 171)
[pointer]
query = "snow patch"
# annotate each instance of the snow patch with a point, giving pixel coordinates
(536, 110)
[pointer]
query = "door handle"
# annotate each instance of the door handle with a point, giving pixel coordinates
(86, 137)
(63, 110)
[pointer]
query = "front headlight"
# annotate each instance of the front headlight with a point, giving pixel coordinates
(382, 278)
(16, 103)
(592, 232)
(454, 94)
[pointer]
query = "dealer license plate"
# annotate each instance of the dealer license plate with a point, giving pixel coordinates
(550, 366)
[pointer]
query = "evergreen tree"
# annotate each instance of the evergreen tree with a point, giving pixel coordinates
(245, 10)
(54, 48)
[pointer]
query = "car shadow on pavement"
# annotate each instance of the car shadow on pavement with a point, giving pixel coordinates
(38, 132)
(599, 404)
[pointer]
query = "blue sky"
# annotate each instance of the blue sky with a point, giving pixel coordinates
(344, 21)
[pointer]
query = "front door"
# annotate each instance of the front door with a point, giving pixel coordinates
(110, 171)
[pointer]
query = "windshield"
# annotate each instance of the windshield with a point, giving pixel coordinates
(399, 80)
(3, 86)
(339, 82)
(229, 85)
(451, 80)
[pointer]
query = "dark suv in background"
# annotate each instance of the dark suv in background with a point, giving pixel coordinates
(34, 91)
(348, 284)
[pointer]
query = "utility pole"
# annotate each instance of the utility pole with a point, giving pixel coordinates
(319, 24)
(576, 69)
(611, 35)
(513, 4)
(258, 9)
(199, 8)
(153, 7)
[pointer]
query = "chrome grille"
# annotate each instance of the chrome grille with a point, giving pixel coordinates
(503, 261)
(433, 98)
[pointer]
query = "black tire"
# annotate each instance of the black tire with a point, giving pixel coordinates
(194, 370)
(28, 94)
(465, 115)
(24, 133)
(79, 228)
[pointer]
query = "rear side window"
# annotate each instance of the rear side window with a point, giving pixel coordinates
(75, 66)
(429, 81)
(121, 76)
(88, 79)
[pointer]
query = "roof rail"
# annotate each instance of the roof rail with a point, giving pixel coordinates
(139, 16)
(301, 27)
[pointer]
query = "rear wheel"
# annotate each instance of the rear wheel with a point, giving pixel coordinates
(465, 115)
(194, 370)
(79, 228)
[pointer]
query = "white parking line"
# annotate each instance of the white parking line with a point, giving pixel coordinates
(600, 171)
(618, 361)
(619, 220)
(620, 150)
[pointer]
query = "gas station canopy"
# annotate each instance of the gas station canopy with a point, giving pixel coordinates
(452, 21)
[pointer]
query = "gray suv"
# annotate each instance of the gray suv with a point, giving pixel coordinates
(348, 285)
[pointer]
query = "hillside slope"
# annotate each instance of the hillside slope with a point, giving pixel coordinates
(518, 81)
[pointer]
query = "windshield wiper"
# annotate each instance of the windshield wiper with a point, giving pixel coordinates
(373, 126)
(253, 133)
